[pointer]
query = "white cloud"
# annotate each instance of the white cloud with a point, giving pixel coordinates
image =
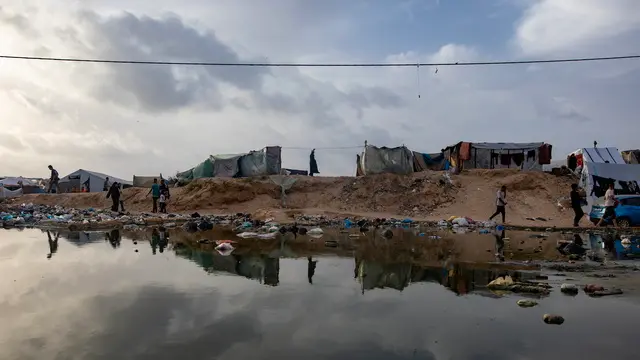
(552, 26)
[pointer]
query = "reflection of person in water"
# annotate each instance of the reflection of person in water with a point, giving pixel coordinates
(163, 239)
(155, 240)
(572, 247)
(311, 268)
(53, 244)
(114, 238)
(500, 245)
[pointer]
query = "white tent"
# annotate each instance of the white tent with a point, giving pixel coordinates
(16, 181)
(605, 155)
(596, 177)
(94, 180)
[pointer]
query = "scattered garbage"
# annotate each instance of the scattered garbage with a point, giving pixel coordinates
(225, 246)
(527, 303)
(553, 319)
(506, 283)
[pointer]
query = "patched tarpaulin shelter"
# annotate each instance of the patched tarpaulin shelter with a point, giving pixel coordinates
(525, 156)
(254, 163)
(375, 160)
(423, 162)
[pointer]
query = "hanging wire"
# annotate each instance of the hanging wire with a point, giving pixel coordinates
(266, 64)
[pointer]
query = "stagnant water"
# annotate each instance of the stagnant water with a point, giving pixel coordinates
(91, 296)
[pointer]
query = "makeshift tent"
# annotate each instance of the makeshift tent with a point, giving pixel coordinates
(375, 160)
(144, 181)
(294, 172)
(17, 182)
(597, 176)
(5, 193)
(94, 181)
(609, 155)
(422, 162)
(254, 163)
(631, 156)
(525, 156)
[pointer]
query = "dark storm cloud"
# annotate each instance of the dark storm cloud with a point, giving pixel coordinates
(159, 88)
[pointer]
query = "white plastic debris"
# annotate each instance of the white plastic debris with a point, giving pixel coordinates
(460, 221)
(315, 231)
(247, 235)
(267, 236)
(225, 247)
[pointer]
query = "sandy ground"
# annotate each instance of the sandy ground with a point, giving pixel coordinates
(421, 196)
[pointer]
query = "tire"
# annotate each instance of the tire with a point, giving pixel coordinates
(624, 223)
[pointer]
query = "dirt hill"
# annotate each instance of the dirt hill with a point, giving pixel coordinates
(422, 196)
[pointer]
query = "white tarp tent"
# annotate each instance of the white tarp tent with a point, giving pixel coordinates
(17, 181)
(596, 177)
(94, 180)
(609, 155)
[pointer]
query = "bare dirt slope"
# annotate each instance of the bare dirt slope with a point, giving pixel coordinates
(421, 196)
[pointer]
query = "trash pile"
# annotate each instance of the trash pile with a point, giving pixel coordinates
(55, 216)
(464, 224)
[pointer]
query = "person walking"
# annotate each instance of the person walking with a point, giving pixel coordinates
(53, 180)
(501, 203)
(114, 193)
(609, 206)
(106, 184)
(576, 205)
(163, 203)
(155, 194)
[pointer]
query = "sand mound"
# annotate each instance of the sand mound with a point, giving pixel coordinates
(421, 195)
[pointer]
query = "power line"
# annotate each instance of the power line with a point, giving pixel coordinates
(266, 64)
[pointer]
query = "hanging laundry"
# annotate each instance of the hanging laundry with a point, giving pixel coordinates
(465, 151)
(531, 155)
(505, 159)
(518, 159)
(495, 158)
(544, 154)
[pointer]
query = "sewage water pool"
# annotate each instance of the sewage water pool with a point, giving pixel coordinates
(90, 296)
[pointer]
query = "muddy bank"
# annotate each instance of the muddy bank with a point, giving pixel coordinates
(424, 197)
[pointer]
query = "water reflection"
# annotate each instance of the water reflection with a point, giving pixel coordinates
(422, 299)
(53, 243)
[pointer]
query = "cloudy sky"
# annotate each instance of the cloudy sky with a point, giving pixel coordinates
(133, 119)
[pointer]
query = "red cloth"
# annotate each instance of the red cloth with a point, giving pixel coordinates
(465, 151)
(544, 154)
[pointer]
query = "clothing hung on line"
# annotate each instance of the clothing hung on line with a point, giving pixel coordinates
(505, 159)
(518, 159)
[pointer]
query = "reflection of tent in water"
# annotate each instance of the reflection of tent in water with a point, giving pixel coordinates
(458, 278)
(258, 267)
(80, 238)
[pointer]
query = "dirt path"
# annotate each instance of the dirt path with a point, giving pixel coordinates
(421, 196)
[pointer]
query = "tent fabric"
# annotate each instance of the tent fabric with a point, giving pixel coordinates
(16, 181)
(8, 194)
(398, 160)
(596, 177)
(203, 170)
(631, 156)
(598, 155)
(422, 161)
(262, 162)
(293, 172)
(94, 179)
(525, 156)
(224, 166)
(144, 181)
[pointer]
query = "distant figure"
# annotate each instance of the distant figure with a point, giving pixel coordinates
(609, 206)
(155, 240)
(572, 162)
(501, 202)
(155, 194)
(313, 164)
(106, 184)
(576, 205)
(54, 180)
(163, 239)
(163, 203)
(114, 193)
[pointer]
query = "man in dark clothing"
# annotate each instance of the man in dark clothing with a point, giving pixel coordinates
(53, 180)
(576, 205)
(313, 164)
(114, 193)
(572, 162)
